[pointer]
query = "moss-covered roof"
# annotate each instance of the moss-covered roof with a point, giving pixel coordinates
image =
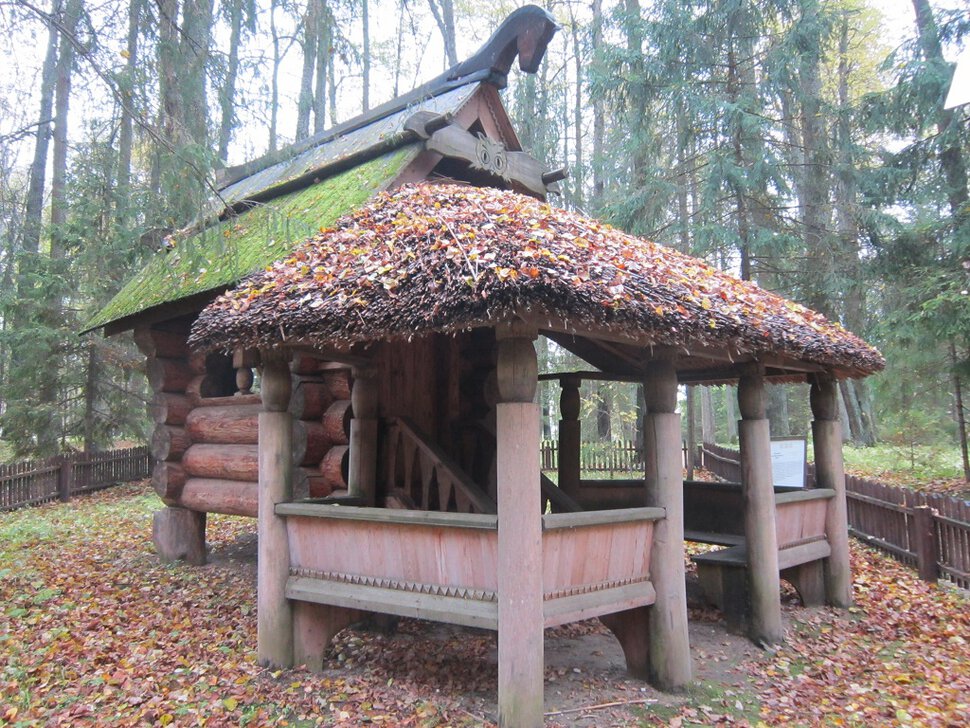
(448, 257)
(225, 252)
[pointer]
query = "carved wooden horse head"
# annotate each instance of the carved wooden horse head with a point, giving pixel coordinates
(525, 33)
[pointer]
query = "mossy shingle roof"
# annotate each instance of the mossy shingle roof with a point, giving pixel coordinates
(225, 252)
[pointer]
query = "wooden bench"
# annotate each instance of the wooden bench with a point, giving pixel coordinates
(802, 548)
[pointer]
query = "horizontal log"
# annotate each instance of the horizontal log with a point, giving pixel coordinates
(335, 467)
(310, 442)
(154, 343)
(196, 361)
(225, 424)
(310, 398)
(233, 400)
(231, 497)
(226, 462)
(336, 422)
(338, 382)
(168, 480)
(168, 375)
(168, 408)
(303, 363)
(201, 387)
(309, 483)
(168, 443)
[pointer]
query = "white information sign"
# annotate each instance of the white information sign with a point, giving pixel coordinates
(788, 461)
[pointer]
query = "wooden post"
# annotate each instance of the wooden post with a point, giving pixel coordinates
(569, 437)
(64, 479)
(691, 433)
(830, 473)
(754, 436)
(520, 618)
(669, 648)
(926, 545)
(362, 473)
(179, 533)
(274, 616)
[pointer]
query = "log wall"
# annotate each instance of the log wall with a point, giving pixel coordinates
(205, 442)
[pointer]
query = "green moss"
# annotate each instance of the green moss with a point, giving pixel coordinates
(224, 253)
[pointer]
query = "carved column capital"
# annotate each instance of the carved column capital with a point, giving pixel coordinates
(276, 384)
(824, 397)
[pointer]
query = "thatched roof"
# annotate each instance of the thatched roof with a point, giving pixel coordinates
(440, 258)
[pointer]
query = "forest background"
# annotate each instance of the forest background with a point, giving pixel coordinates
(803, 144)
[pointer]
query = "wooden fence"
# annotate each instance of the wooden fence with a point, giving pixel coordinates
(619, 456)
(929, 532)
(31, 482)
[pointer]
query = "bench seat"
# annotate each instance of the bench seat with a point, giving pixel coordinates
(723, 576)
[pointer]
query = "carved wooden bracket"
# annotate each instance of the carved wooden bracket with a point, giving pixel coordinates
(487, 155)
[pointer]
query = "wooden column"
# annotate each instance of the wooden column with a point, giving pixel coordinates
(569, 437)
(754, 436)
(520, 620)
(273, 611)
(669, 649)
(362, 473)
(830, 473)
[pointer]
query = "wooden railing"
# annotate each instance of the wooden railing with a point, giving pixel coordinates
(929, 532)
(421, 473)
(32, 482)
(444, 566)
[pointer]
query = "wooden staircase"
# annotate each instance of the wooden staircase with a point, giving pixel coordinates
(420, 475)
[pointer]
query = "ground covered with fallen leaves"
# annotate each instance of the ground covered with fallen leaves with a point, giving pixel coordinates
(95, 631)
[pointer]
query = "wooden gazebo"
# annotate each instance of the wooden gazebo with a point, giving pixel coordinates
(391, 453)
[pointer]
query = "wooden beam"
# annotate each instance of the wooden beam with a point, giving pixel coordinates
(830, 473)
(669, 662)
(520, 608)
(346, 357)
(274, 614)
(759, 511)
(570, 435)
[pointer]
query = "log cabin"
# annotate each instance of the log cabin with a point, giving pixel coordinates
(342, 348)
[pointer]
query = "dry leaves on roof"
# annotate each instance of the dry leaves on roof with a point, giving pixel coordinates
(448, 257)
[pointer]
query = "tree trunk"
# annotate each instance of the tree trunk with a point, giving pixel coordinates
(577, 120)
(599, 122)
(960, 411)
(227, 95)
(195, 40)
(951, 158)
(310, 35)
(708, 432)
(324, 34)
(365, 61)
(730, 414)
(34, 205)
(62, 106)
(274, 100)
(444, 15)
(778, 410)
(125, 133)
(604, 407)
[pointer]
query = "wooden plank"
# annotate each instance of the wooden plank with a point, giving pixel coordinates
(800, 496)
(576, 607)
(454, 610)
(803, 554)
(582, 519)
(389, 516)
(718, 539)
